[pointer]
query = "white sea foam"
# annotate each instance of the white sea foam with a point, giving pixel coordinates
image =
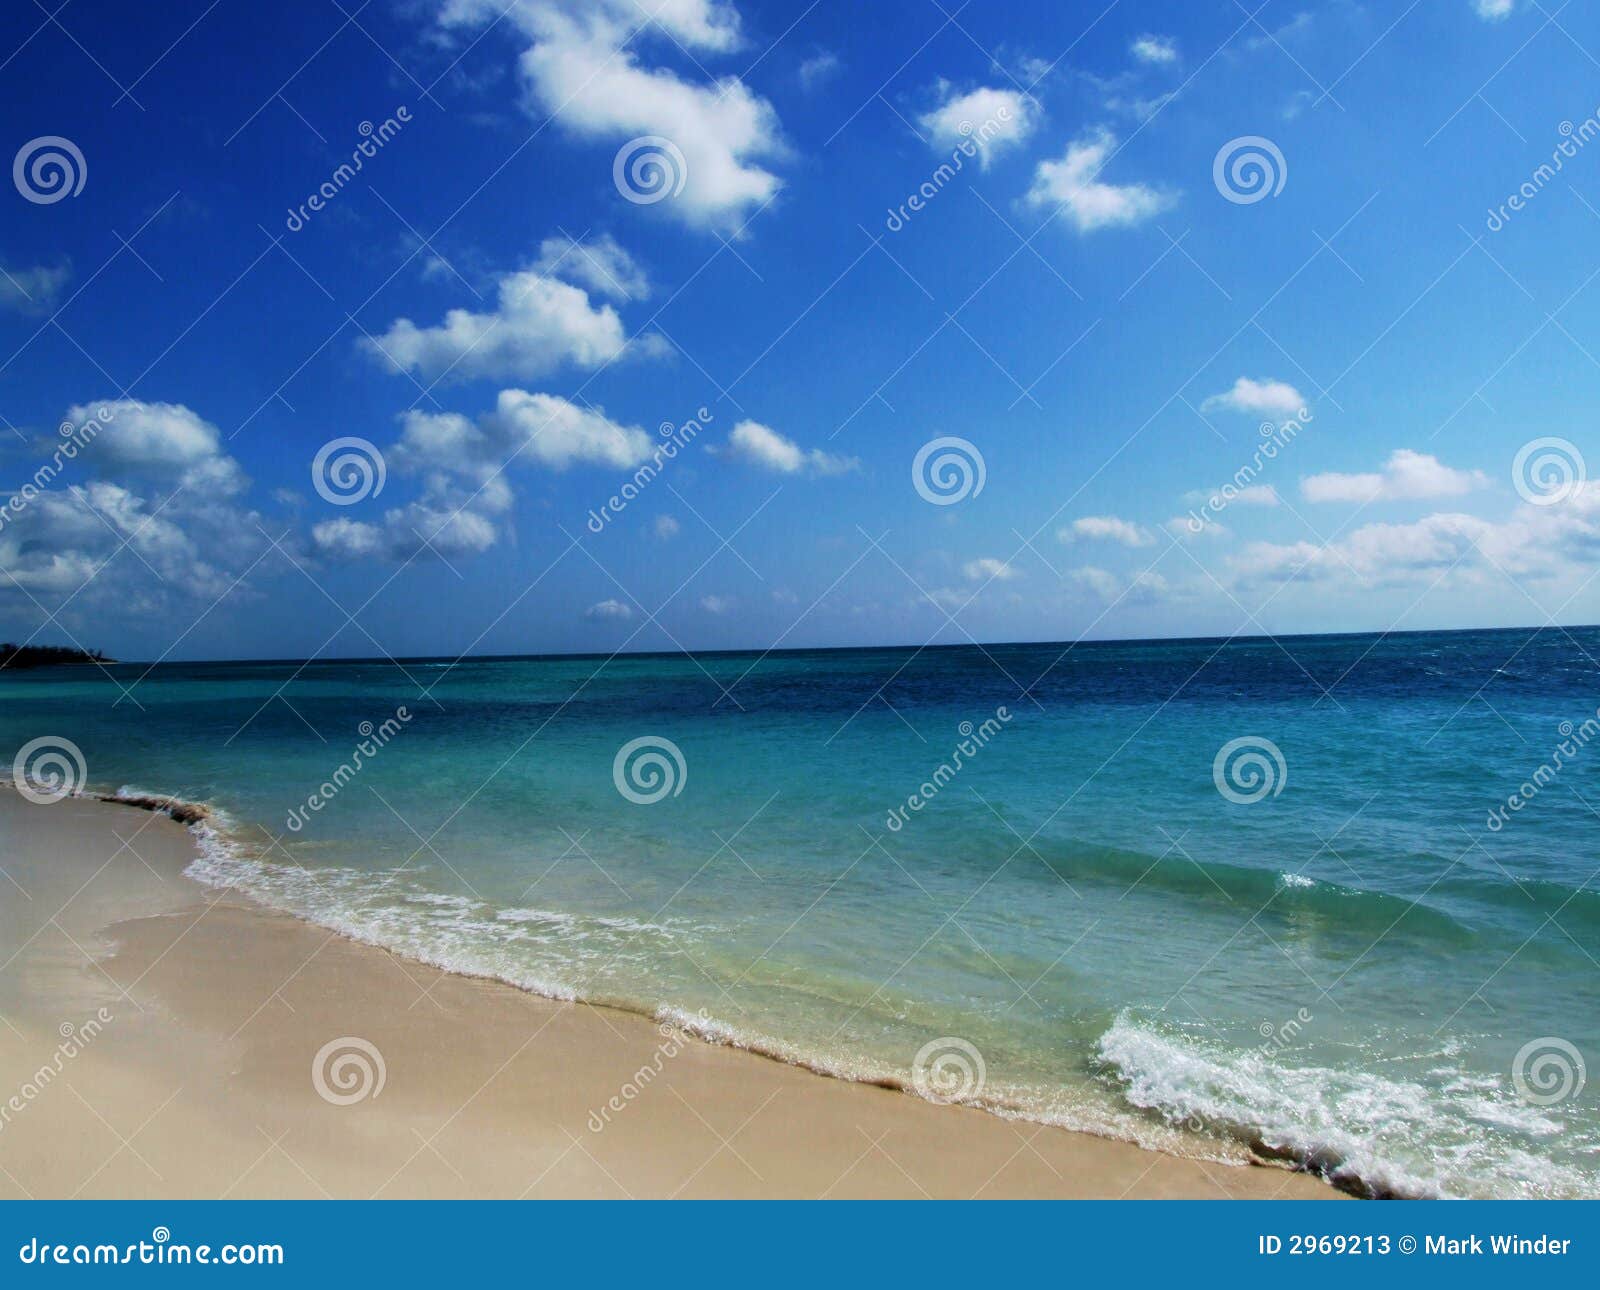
(1384, 1135)
(557, 955)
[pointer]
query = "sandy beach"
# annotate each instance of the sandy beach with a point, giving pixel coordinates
(161, 1038)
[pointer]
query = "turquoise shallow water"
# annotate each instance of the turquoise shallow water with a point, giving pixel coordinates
(1364, 967)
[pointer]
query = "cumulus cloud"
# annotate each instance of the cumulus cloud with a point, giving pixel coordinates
(598, 263)
(162, 442)
(539, 325)
(147, 488)
(1533, 544)
(988, 569)
(1265, 397)
(1406, 476)
(1160, 50)
(993, 120)
(763, 447)
(666, 527)
(586, 67)
(716, 604)
(33, 290)
(608, 611)
(1376, 554)
(1106, 528)
(465, 465)
(1073, 186)
(428, 527)
(1493, 10)
(558, 433)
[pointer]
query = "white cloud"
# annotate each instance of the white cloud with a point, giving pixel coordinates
(584, 67)
(1407, 475)
(34, 290)
(1146, 586)
(150, 496)
(1381, 554)
(1142, 588)
(608, 610)
(1155, 49)
(1106, 528)
(1182, 528)
(540, 324)
(559, 434)
(1140, 109)
(598, 263)
(430, 527)
(1073, 186)
(716, 604)
(534, 428)
(465, 465)
(164, 442)
(988, 569)
(764, 447)
(347, 539)
(1534, 543)
(991, 120)
(1257, 495)
(666, 527)
(818, 70)
(1493, 10)
(1265, 397)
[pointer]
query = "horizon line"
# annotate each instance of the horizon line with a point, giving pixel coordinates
(395, 659)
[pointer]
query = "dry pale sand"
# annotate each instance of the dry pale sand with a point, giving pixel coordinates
(198, 1019)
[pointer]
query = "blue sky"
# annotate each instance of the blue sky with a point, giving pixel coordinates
(504, 312)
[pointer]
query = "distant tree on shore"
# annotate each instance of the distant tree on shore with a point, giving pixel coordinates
(19, 656)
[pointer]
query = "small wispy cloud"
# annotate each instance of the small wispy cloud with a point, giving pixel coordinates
(1106, 528)
(819, 69)
(1159, 50)
(988, 569)
(608, 611)
(764, 448)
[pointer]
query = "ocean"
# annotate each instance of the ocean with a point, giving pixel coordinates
(1329, 899)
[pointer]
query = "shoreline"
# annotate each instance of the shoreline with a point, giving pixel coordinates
(431, 1083)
